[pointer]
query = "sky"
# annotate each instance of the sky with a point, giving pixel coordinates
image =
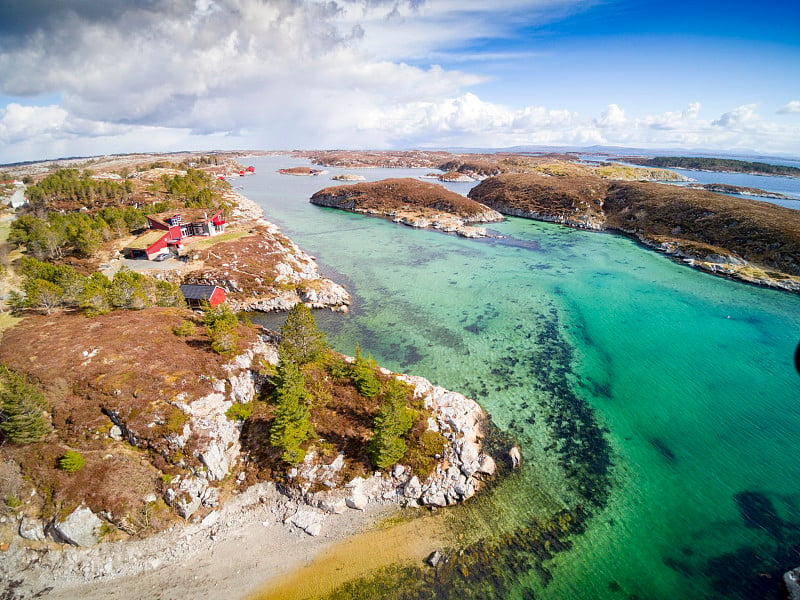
(93, 77)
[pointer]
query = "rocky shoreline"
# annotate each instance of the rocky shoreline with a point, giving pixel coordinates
(747, 240)
(42, 566)
(413, 203)
(296, 275)
(40, 563)
(55, 557)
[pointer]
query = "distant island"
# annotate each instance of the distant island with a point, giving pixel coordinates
(714, 164)
(737, 190)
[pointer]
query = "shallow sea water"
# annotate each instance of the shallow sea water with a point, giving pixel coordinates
(661, 400)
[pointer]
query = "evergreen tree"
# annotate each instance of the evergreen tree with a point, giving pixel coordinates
(363, 375)
(43, 294)
(392, 422)
(127, 290)
(292, 424)
(22, 408)
(222, 327)
(301, 341)
(168, 294)
(71, 462)
(94, 296)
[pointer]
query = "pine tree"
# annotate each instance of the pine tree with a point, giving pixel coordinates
(363, 375)
(94, 296)
(222, 327)
(22, 408)
(292, 424)
(392, 422)
(301, 341)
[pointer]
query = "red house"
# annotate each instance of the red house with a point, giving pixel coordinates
(188, 222)
(169, 229)
(197, 294)
(148, 245)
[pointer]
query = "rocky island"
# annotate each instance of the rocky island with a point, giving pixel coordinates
(410, 202)
(719, 165)
(738, 190)
(744, 239)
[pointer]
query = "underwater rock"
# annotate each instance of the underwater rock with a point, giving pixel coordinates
(791, 579)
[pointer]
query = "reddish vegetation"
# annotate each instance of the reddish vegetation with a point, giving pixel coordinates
(129, 362)
(248, 262)
(393, 194)
(699, 222)
(760, 232)
(554, 196)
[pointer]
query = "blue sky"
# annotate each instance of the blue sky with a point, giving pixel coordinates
(87, 77)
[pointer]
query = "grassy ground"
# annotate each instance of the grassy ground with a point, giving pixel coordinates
(225, 237)
(7, 321)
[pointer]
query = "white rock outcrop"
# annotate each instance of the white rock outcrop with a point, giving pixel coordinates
(458, 476)
(80, 528)
(31, 529)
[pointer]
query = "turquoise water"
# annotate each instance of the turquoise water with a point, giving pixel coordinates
(662, 398)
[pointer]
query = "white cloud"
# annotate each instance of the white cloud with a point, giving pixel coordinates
(182, 74)
(738, 118)
(792, 107)
(613, 117)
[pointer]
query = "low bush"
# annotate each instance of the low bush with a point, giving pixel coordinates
(71, 462)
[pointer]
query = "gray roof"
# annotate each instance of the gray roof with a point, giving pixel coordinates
(194, 291)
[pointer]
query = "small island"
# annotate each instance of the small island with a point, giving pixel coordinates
(348, 177)
(410, 202)
(301, 171)
(738, 190)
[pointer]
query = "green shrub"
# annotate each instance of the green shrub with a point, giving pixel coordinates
(175, 421)
(363, 375)
(223, 329)
(13, 501)
(239, 412)
(422, 450)
(71, 462)
(186, 328)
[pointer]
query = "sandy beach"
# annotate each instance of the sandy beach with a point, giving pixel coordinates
(233, 553)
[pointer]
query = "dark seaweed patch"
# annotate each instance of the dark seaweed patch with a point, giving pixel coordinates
(662, 448)
(755, 573)
(758, 512)
(679, 566)
(746, 574)
(486, 570)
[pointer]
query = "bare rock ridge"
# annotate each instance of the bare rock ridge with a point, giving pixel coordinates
(411, 202)
(752, 241)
